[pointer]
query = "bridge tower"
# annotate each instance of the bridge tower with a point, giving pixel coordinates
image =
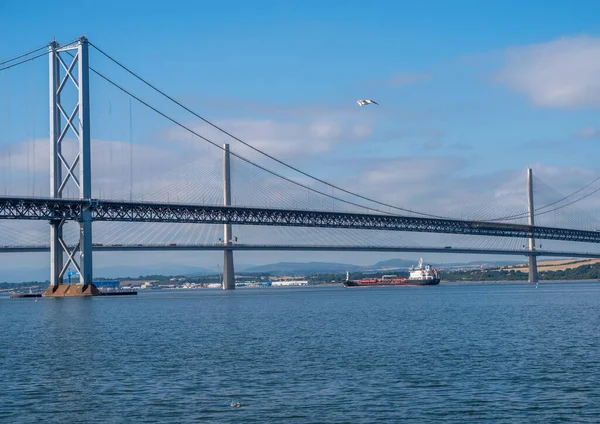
(533, 273)
(228, 272)
(72, 62)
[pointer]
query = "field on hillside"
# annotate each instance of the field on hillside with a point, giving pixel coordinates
(557, 265)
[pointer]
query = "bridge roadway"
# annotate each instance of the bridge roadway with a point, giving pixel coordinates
(109, 210)
(273, 247)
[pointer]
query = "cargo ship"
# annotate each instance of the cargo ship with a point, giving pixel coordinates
(420, 275)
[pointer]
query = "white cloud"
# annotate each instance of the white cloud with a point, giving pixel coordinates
(282, 139)
(563, 73)
(588, 133)
(407, 79)
(399, 79)
(418, 183)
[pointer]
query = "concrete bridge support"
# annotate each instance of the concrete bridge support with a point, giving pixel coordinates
(533, 272)
(228, 272)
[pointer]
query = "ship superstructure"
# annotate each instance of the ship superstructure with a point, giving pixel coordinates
(423, 274)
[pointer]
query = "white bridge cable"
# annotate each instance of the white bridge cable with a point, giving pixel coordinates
(182, 185)
(183, 182)
(260, 189)
(251, 189)
(356, 237)
(109, 233)
(235, 154)
(568, 196)
(508, 198)
(176, 177)
(135, 75)
(250, 146)
(24, 233)
(543, 210)
(281, 235)
(571, 214)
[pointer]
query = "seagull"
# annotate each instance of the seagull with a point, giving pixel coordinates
(366, 102)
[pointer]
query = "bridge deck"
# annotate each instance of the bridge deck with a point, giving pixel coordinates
(321, 248)
(103, 210)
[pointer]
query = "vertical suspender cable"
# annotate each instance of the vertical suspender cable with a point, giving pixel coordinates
(130, 153)
(110, 149)
(2, 84)
(9, 137)
(34, 141)
(28, 116)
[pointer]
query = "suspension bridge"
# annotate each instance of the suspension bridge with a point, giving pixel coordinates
(195, 203)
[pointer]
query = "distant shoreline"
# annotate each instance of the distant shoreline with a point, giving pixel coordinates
(590, 280)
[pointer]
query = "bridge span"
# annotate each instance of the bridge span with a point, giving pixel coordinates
(315, 248)
(61, 210)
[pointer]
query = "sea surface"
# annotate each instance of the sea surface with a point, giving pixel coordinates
(455, 353)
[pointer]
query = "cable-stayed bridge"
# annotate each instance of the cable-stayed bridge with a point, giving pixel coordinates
(263, 196)
(296, 248)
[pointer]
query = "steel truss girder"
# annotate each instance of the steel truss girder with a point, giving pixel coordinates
(101, 210)
(49, 209)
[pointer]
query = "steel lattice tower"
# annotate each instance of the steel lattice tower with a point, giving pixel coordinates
(75, 70)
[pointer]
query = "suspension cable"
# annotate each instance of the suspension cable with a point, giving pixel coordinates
(539, 211)
(230, 152)
(24, 54)
(258, 150)
(12, 65)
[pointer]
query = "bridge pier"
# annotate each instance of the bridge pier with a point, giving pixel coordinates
(228, 271)
(533, 272)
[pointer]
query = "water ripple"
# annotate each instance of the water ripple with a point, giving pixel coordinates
(474, 353)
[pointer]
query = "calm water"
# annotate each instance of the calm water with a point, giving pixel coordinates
(453, 353)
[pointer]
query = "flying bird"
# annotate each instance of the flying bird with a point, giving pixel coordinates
(366, 102)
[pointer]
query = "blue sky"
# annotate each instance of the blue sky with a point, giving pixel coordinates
(473, 91)
(330, 53)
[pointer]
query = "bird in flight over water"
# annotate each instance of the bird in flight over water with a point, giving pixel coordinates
(366, 102)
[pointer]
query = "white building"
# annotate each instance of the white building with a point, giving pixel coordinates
(290, 283)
